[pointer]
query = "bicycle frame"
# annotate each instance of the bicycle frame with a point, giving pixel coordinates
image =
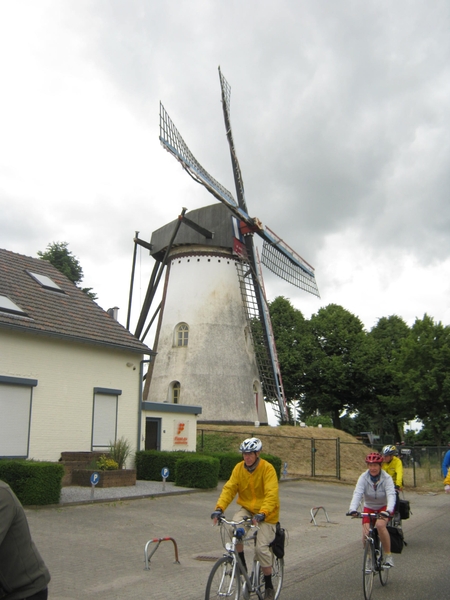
(251, 582)
(229, 573)
(373, 557)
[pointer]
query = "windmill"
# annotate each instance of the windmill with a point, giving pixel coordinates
(222, 234)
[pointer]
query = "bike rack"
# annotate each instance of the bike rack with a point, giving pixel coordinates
(314, 512)
(158, 541)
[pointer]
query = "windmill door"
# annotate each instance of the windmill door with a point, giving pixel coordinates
(152, 433)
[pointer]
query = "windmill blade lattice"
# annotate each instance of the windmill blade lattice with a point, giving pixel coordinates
(271, 383)
(278, 263)
(172, 141)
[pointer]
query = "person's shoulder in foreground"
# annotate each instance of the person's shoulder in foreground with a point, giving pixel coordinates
(23, 573)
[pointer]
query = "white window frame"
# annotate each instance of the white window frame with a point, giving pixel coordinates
(105, 408)
(16, 396)
(181, 335)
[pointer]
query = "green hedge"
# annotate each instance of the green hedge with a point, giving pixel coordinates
(228, 460)
(197, 471)
(33, 482)
(149, 464)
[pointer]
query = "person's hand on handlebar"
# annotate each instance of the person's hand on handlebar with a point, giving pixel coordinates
(258, 518)
(215, 516)
(385, 514)
(352, 513)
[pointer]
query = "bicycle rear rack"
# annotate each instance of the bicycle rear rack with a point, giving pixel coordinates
(158, 541)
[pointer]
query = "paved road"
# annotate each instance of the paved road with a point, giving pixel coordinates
(96, 551)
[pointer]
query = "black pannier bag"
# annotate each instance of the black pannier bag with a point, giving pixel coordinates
(397, 541)
(278, 543)
(404, 509)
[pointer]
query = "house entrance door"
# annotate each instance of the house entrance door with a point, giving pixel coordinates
(152, 433)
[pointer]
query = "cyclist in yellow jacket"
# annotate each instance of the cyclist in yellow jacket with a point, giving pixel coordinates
(256, 483)
(394, 467)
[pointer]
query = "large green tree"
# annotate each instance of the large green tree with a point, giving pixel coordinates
(58, 254)
(290, 331)
(336, 376)
(388, 408)
(424, 374)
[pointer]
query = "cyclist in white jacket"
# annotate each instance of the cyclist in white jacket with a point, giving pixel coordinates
(377, 489)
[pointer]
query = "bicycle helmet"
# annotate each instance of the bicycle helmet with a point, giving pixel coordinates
(389, 451)
(374, 457)
(251, 445)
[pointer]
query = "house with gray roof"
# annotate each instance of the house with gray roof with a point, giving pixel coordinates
(70, 374)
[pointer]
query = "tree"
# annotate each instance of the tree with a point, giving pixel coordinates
(336, 372)
(424, 374)
(289, 330)
(58, 254)
(387, 408)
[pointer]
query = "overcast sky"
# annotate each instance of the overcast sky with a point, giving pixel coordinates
(340, 115)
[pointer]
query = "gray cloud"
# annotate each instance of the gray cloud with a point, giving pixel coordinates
(339, 113)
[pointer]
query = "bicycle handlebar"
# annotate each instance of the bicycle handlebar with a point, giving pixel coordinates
(246, 520)
(360, 515)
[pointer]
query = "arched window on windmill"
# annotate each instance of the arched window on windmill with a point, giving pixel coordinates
(256, 395)
(175, 392)
(181, 335)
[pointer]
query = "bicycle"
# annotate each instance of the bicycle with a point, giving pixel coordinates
(373, 561)
(224, 581)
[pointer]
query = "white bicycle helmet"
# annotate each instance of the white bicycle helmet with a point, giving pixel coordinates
(389, 451)
(251, 445)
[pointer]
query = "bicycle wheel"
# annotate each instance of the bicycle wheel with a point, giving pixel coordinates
(384, 572)
(277, 576)
(223, 581)
(368, 569)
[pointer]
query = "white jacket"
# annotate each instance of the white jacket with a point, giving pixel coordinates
(375, 496)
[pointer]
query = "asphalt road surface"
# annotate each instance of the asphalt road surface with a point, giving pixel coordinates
(95, 551)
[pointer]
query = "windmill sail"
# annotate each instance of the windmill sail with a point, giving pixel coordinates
(255, 302)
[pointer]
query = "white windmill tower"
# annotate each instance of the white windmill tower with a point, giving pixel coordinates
(214, 340)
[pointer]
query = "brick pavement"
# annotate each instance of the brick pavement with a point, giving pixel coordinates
(96, 551)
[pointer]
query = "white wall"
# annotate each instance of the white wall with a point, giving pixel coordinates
(62, 403)
(218, 367)
(171, 437)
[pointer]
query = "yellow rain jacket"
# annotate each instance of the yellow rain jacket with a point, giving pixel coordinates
(257, 491)
(394, 468)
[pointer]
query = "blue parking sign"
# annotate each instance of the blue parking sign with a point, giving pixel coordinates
(95, 478)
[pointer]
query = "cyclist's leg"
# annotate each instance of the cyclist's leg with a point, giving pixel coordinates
(238, 516)
(384, 535)
(223, 580)
(277, 576)
(266, 535)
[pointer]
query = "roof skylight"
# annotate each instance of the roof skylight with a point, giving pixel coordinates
(8, 306)
(46, 282)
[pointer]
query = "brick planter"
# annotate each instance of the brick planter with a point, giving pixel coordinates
(119, 478)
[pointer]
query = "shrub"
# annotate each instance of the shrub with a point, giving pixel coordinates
(120, 451)
(197, 471)
(33, 482)
(228, 460)
(105, 463)
(149, 464)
